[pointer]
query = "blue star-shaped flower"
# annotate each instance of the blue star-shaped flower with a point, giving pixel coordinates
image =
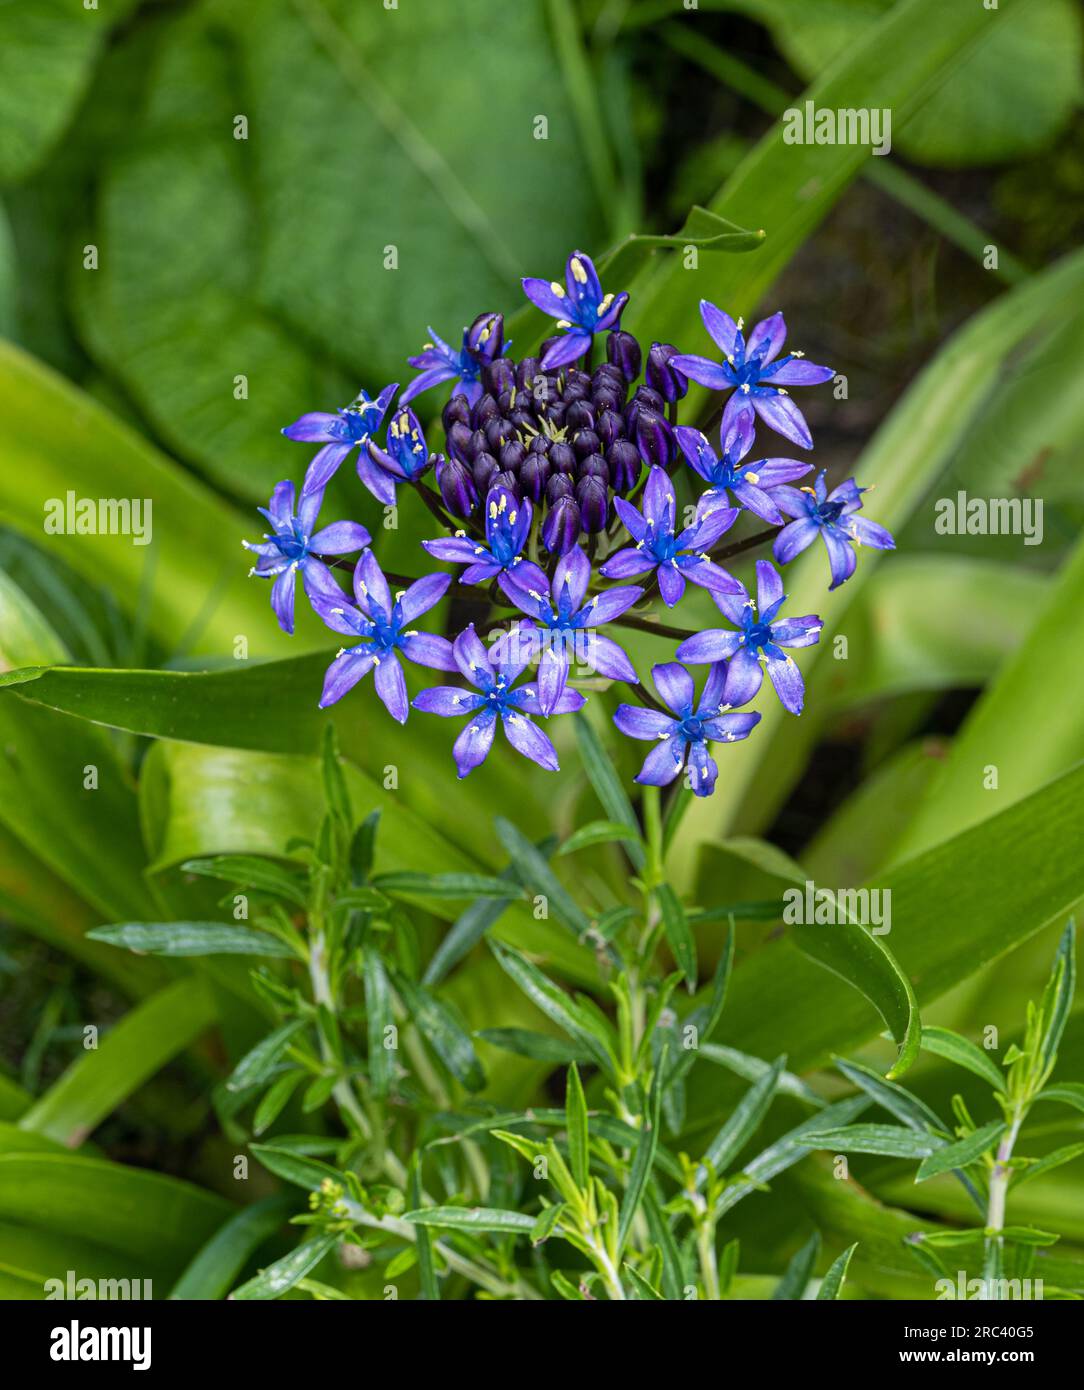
(348, 429)
(579, 306)
(482, 342)
(291, 545)
(757, 372)
(496, 696)
(751, 483)
(406, 456)
(674, 555)
(380, 626)
(830, 515)
(685, 734)
(563, 626)
(760, 638)
(508, 524)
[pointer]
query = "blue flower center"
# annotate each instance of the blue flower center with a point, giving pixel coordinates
(691, 727)
(293, 544)
(757, 634)
(827, 513)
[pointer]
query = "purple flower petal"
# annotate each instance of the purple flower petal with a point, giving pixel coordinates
(793, 539)
(798, 372)
(720, 325)
(573, 345)
(868, 532)
(771, 472)
(375, 479)
(733, 606)
(610, 660)
(697, 450)
(526, 699)
(663, 763)
(423, 594)
(427, 649)
(473, 744)
(472, 658)
(637, 722)
(841, 557)
(325, 465)
(627, 563)
(797, 632)
(315, 427)
(340, 538)
(552, 676)
(319, 581)
(711, 523)
(281, 507)
(783, 416)
(714, 644)
(391, 685)
(710, 575)
(447, 700)
(767, 338)
(541, 294)
(460, 550)
(308, 508)
(675, 685)
(607, 606)
(703, 370)
(343, 674)
(769, 586)
(736, 436)
(703, 769)
(738, 414)
(672, 582)
(743, 678)
(527, 738)
(758, 502)
(573, 569)
(632, 520)
(711, 697)
(282, 599)
(370, 586)
(433, 377)
(784, 675)
(729, 728)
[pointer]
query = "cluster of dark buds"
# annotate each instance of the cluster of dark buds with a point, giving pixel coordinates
(559, 472)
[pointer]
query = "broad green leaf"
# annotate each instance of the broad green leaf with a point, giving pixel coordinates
(421, 885)
(297, 1168)
(643, 1289)
(898, 1101)
(280, 1277)
(798, 1273)
(943, 1042)
(145, 1039)
(1067, 1092)
(832, 1283)
(753, 1068)
(190, 939)
(261, 286)
(890, 1141)
(141, 1215)
(274, 1100)
(558, 1006)
(547, 1221)
(214, 1268)
(962, 1152)
(470, 1219)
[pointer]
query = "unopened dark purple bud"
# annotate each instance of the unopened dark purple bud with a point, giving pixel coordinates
(661, 376)
(650, 398)
(557, 414)
(561, 528)
(559, 485)
(654, 439)
(526, 371)
(459, 441)
(594, 466)
(511, 456)
(508, 480)
(498, 376)
(478, 445)
(623, 351)
(578, 379)
(506, 402)
(485, 336)
(562, 459)
(592, 495)
(523, 420)
(484, 470)
(610, 427)
(624, 460)
(580, 416)
(575, 391)
(533, 476)
(606, 399)
(485, 408)
(456, 486)
(498, 432)
(586, 443)
(539, 444)
(457, 411)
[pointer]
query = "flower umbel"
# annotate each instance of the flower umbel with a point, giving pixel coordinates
(684, 735)
(495, 696)
(757, 371)
(579, 306)
(291, 545)
(760, 637)
(381, 626)
(832, 516)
